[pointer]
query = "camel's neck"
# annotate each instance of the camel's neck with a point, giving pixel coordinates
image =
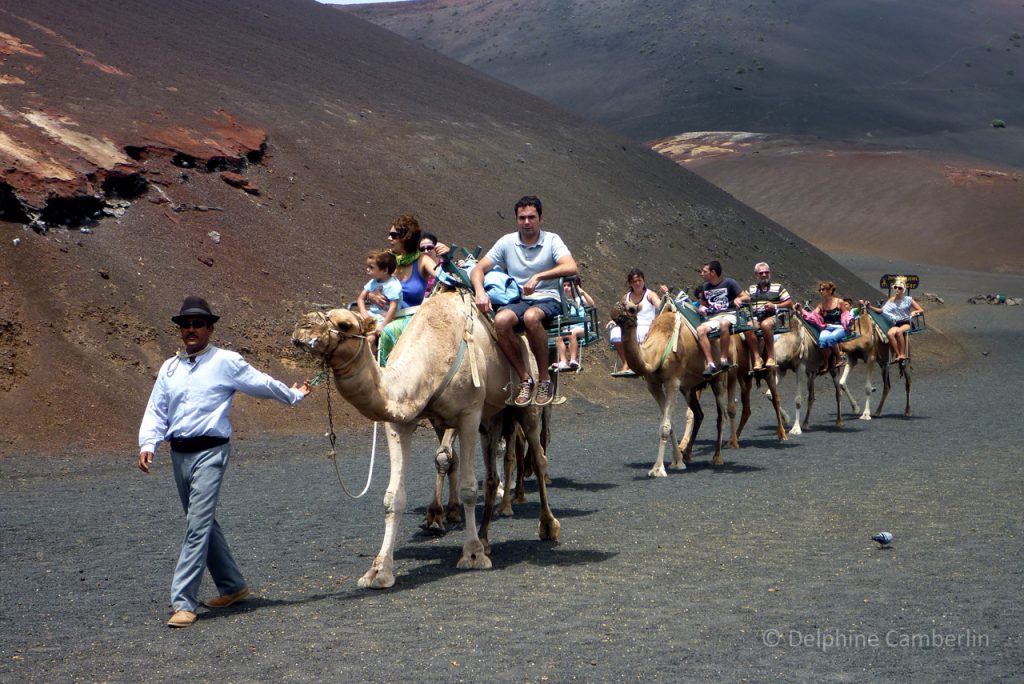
(639, 357)
(382, 394)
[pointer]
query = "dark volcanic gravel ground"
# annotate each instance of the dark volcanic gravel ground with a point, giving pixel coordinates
(759, 570)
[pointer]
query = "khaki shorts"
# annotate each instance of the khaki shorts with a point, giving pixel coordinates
(714, 323)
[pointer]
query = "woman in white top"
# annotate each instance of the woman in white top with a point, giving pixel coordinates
(898, 310)
(649, 303)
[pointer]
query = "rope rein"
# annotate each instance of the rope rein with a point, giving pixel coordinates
(331, 434)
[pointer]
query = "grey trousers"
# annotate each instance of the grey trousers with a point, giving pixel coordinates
(198, 477)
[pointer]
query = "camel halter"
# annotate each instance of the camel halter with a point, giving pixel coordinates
(331, 435)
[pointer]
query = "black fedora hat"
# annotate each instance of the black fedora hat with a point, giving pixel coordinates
(194, 307)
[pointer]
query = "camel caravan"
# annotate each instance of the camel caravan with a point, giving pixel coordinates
(474, 374)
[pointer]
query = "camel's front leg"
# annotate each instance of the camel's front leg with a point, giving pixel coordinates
(811, 376)
(839, 396)
(694, 417)
(745, 386)
(780, 424)
(886, 384)
(474, 556)
(730, 383)
(721, 401)
(907, 384)
(665, 397)
(868, 389)
(492, 429)
(532, 420)
(381, 572)
(843, 377)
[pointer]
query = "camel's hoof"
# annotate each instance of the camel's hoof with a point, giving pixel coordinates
(678, 465)
(434, 523)
(504, 510)
(732, 444)
(783, 437)
(474, 557)
(796, 432)
(687, 457)
(453, 514)
(376, 579)
(718, 460)
(549, 530)
(475, 561)
(865, 416)
(658, 471)
(547, 479)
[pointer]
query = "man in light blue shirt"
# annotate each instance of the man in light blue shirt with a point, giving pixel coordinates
(536, 259)
(189, 408)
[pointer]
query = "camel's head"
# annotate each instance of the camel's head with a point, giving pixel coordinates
(322, 332)
(624, 314)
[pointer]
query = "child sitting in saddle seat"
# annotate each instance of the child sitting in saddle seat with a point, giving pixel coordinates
(380, 266)
(577, 310)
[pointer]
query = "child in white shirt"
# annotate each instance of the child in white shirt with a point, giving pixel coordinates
(380, 266)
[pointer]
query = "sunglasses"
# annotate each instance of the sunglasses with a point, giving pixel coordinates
(824, 289)
(394, 235)
(197, 324)
(897, 287)
(426, 248)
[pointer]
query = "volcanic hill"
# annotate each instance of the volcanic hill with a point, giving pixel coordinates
(886, 128)
(252, 151)
(929, 74)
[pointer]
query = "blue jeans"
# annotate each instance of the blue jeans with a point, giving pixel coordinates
(831, 336)
(198, 477)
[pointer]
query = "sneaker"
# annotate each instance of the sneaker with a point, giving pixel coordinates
(225, 600)
(725, 365)
(525, 393)
(544, 393)
(710, 370)
(574, 365)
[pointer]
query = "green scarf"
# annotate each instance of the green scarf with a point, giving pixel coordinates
(407, 258)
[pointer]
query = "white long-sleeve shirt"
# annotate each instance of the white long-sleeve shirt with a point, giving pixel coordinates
(193, 398)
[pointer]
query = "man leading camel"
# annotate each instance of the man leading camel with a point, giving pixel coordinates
(535, 259)
(719, 298)
(189, 408)
(766, 299)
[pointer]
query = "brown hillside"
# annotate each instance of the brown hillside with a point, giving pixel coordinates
(124, 121)
(909, 204)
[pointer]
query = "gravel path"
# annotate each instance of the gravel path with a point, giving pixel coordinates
(762, 569)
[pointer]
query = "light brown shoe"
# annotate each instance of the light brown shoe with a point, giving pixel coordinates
(524, 397)
(182, 618)
(225, 600)
(544, 393)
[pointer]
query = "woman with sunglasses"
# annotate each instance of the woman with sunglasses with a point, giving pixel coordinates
(835, 314)
(415, 270)
(428, 246)
(898, 310)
